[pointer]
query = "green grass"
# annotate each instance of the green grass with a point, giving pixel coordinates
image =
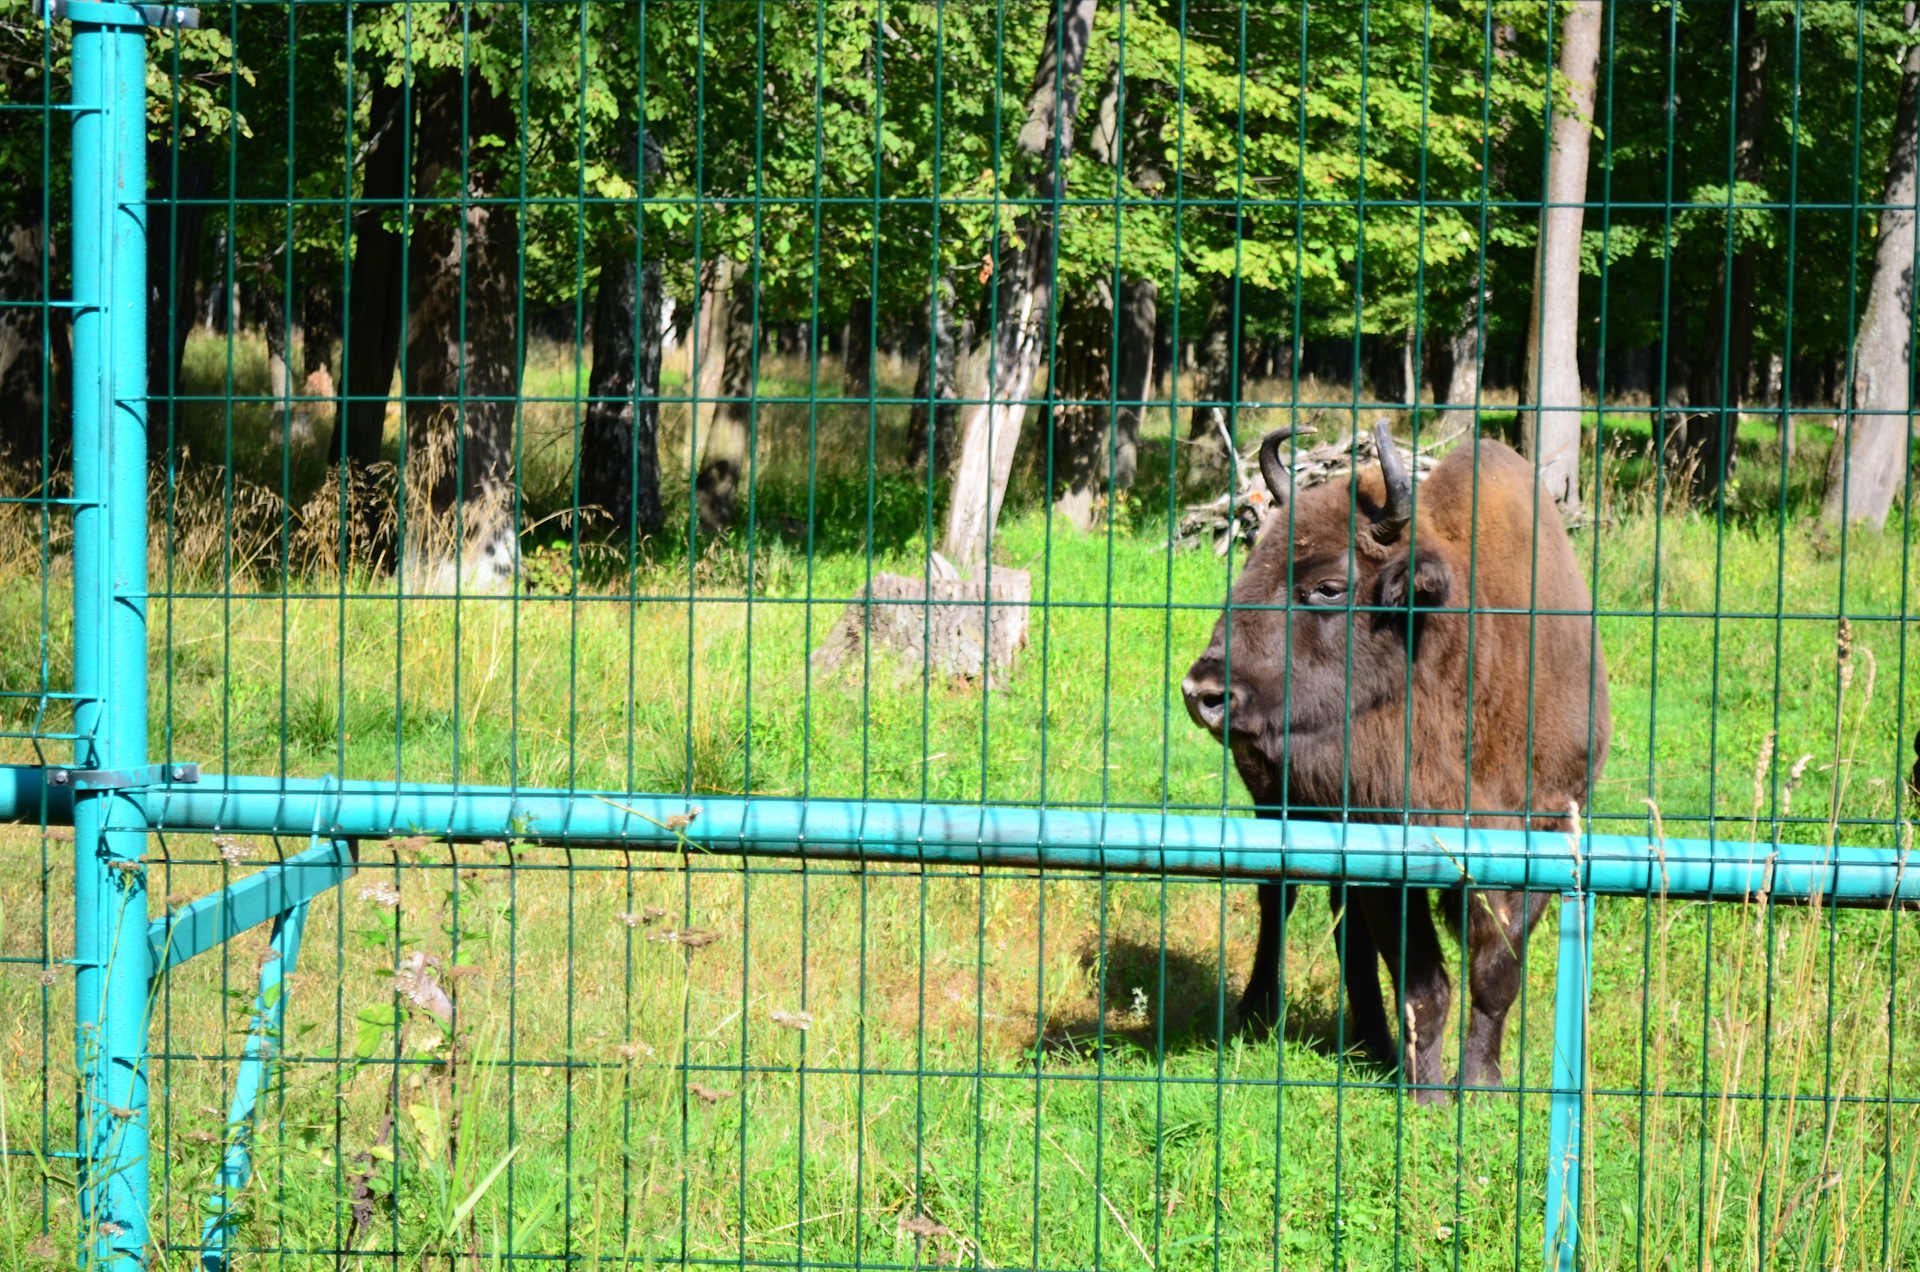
(984, 1046)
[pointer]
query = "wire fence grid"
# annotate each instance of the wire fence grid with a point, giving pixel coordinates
(882, 634)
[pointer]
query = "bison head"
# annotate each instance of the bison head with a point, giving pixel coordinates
(1319, 631)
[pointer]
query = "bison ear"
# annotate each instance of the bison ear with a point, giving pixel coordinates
(1428, 577)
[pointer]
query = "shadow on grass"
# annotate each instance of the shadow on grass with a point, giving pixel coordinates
(1161, 1003)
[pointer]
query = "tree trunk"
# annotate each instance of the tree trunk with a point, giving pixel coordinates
(856, 371)
(1552, 384)
(938, 384)
(1719, 373)
(319, 329)
(619, 442)
(724, 451)
(462, 386)
(175, 225)
(273, 321)
(1024, 300)
(1777, 401)
(1139, 312)
(706, 341)
(1410, 365)
(31, 341)
(375, 316)
(619, 464)
(1463, 382)
(1215, 390)
(1082, 389)
(1869, 465)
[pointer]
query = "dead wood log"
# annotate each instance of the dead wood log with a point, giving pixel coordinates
(940, 623)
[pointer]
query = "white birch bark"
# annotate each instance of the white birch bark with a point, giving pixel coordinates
(1024, 303)
(1552, 387)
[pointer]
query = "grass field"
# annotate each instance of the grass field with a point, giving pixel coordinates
(998, 1070)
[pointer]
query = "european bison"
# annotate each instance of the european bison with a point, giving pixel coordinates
(1480, 598)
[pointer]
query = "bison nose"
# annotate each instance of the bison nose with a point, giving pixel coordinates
(1208, 701)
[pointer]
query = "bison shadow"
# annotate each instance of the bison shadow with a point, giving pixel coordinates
(1198, 1009)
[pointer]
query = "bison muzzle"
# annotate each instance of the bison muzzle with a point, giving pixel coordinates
(1422, 659)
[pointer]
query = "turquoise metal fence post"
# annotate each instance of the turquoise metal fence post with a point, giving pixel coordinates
(1566, 1120)
(111, 959)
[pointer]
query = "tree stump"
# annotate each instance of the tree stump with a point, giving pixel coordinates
(944, 624)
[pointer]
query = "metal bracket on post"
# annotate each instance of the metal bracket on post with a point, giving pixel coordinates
(121, 779)
(1567, 1118)
(108, 14)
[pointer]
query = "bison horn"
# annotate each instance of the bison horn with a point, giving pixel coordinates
(1270, 466)
(1399, 509)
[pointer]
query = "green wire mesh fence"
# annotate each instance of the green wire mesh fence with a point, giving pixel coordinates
(669, 557)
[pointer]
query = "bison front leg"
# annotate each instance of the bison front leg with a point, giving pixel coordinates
(1401, 921)
(1360, 972)
(1260, 1005)
(1360, 967)
(1497, 927)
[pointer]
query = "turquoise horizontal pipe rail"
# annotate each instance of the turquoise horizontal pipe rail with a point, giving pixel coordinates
(972, 835)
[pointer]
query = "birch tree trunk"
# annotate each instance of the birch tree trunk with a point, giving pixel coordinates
(1552, 386)
(1868, 467)
(1024, 300)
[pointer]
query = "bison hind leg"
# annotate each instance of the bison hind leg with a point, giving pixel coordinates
(1353, 945)
(1497, 928)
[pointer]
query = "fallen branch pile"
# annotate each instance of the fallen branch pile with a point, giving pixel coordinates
(1239, 515)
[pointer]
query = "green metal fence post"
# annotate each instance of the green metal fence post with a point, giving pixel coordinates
(1572, 981)
(111, 959)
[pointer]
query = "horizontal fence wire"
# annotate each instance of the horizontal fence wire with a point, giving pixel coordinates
(762, 702)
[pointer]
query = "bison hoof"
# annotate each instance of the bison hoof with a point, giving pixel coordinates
(1483, 1083)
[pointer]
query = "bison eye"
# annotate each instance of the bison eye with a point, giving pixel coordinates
(1327, 592)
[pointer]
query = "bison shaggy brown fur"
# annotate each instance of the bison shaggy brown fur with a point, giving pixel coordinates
(1412, 658)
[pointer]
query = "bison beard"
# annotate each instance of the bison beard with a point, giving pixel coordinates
(1470, 624)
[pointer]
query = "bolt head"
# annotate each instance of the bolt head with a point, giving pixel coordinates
(60, 777)
(179, 774)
